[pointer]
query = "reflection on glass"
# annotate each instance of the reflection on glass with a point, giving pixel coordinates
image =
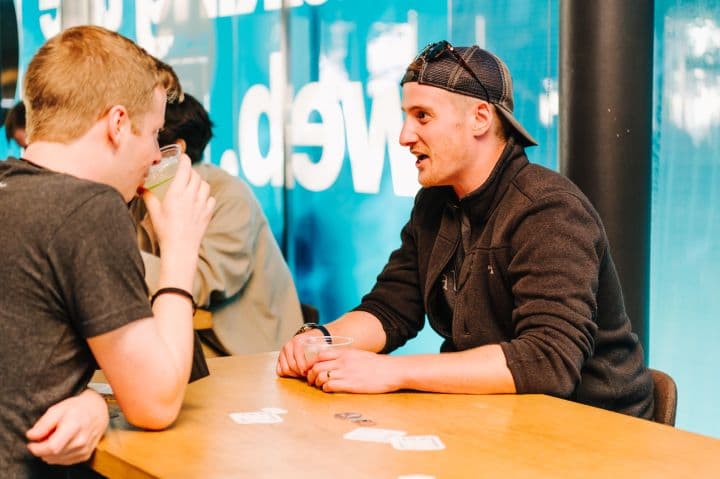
(692, 69)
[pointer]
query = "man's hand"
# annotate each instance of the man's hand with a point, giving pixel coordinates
(69, 431)
(364, 328)
(291, 361)
(354, 371)
(181, 218)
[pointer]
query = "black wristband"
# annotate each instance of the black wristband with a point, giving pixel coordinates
(323, 329)
(177, 291)
(309, 326)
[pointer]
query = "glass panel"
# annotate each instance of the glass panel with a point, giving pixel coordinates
(685, 258)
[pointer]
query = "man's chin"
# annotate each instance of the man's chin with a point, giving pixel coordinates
(425, 181)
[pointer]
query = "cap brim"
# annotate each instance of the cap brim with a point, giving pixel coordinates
(523, 136)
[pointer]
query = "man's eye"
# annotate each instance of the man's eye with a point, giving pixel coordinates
(420, 115)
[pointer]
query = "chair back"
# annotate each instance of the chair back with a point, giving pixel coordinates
(310, 314)
(202, 319)
(665, 397)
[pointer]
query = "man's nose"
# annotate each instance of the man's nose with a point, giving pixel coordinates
(407, 135)
(157, 156)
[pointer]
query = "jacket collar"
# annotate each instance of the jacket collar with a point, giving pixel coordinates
(480, 203)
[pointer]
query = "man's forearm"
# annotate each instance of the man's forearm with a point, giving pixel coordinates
(173, 313)
(157, 353)
(365, 329)
(147, 365)
(481, 370)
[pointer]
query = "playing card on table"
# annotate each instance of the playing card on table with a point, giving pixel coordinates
(101, 388)
(255, 417)
(417, 443)
(371, 434)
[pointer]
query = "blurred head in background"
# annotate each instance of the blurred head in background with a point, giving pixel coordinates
(187, 123)
(15, 124)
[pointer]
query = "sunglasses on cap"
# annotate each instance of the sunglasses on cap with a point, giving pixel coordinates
(434, 50)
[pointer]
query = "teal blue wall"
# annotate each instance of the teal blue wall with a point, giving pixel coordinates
(685, 248)
(351, 188)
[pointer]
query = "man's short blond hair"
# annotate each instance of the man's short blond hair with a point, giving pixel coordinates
(77, 76)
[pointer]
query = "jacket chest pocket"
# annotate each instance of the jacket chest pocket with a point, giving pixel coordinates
(483, 314)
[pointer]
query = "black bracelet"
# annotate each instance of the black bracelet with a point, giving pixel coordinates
(325, 331)
(178, 291)
(310, 326)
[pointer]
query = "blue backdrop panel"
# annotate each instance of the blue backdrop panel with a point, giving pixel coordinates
(685, 258)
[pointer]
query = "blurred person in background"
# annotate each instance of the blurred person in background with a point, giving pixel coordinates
(15, 125)
(242, 277)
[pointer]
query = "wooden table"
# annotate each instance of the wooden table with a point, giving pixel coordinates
(512, 436)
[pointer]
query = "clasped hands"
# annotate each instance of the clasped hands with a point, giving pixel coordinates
(338, 370)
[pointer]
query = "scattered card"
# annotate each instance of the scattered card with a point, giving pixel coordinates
(372, 434)
(417, 443)
(255, 417)
(101, 388)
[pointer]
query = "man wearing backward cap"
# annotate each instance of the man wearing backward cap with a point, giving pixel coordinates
(508, 260)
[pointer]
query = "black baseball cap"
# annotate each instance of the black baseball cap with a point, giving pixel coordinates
(469, 71)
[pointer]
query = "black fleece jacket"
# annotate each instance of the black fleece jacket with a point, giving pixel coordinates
(537, 278)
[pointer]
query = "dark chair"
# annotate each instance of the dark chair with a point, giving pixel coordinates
(310, 314)
(203, 325)
(665, 398)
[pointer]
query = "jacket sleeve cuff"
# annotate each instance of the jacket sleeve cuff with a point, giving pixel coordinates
(393, 337)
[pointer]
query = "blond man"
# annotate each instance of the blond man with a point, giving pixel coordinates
(74, 291)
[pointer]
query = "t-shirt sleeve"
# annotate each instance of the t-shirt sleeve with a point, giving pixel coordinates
(97, 266)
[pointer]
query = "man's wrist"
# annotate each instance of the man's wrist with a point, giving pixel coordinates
(313, 326)
(178, 291)
(177, 270)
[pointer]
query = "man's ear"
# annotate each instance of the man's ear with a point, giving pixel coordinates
(118, 122)
(183, 145)
(482, 118)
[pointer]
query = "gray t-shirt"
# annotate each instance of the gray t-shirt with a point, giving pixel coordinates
(70, 270)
